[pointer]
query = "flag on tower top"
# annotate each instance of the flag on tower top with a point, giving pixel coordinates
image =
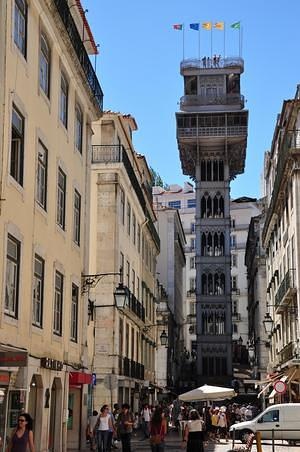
(219, 25)
(236, 25)
(195, 26)
(206, 25)
(177, 26)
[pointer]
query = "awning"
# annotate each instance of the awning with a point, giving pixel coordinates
(80, 378)
(273, 392)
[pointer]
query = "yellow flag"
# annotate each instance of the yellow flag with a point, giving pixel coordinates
(206, 25)
(219, 25)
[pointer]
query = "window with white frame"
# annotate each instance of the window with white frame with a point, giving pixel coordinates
(63, 104)
(191, 203)
(77, 217)
(193, 284)
(17, 146)
(42, 175)
(175, 204)
(234, 285)
(20, 26)
(12, 280)
(58, 303)
(38, 291)
(78, 128)
(233, 260)
(61, 198)
(74, 313)
(45, 61)
(192, 262)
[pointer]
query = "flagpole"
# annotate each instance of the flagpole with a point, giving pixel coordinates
(183, 41)
(211, 42)
(199, 53)
(241, 41)
(224, 48)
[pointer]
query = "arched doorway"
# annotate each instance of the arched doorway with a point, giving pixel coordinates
(55, 434)
(35, 407)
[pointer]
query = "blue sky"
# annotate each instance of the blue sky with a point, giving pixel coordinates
(138, 69)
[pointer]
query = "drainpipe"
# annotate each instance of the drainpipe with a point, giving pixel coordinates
(3, 14)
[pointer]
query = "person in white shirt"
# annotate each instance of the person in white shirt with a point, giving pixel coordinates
(91, 427)
(146, 417)
(103, 426)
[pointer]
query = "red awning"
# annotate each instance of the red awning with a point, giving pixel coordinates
(79, 378)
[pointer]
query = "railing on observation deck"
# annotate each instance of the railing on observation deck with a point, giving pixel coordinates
(290, 141)
(82, 55)
(210, 63)
(212, 131)
(190, 100)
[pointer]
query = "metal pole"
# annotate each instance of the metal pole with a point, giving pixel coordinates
(273, 441)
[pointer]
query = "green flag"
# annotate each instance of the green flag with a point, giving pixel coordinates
(236, 25)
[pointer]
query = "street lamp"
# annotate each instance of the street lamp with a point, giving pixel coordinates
(251, 351)
(121, 296)
(164, 338)
(268, 324)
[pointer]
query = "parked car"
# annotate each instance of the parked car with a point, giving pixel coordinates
(283, 419)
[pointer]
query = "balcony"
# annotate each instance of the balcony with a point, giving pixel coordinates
(196, 63)
(136, 307)
(230, 131)
(286, 291)
(194, 100)
(83, 58)
(287, 353)
(110, 154)
(290, 142)
(130, 368)
(236, 316)
(191, 293)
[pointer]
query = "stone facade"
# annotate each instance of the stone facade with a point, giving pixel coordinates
(47, 107)
(123, 238)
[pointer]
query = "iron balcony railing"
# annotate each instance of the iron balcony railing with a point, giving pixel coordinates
(290, 141)
(230, 131)
(109, 153)
(136, 306)
(287, 353)
(192, 100)
(130, 368)
(236, 316)
(70, 26)
(197, 63)
(286, 285)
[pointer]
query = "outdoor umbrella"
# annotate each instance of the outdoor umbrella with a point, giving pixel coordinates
(207, 392)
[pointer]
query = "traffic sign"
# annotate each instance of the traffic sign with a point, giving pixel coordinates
(280, 387)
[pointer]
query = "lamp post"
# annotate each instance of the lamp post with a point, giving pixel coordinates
(268, 324)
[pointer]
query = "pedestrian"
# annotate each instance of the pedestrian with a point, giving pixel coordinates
(102, 428)
(92, 420)
(158, 430)
(125, 425)
(208, 62)
(204, 61)
(215, 60)
(193, 434)
(222, 423)
(145, 415)
(22, 437)
(214, 423)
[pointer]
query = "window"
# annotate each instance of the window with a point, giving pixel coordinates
(45, 65)
(122, 267)
(192, 284)
(235, 328)
(193, 228)
(128, 218)
(175, 204)
(63, 107)
(38, 291)
(133, 228)
(122, 205)
(192, 262)
(192, 308)
(17, 146)
(20, 26)
(233, 260)
(232, 223)
(42, 171)
(133, 281)
(61, 198)
(234, 283)
(191, 203)
(77, 217)
(13, 256)
(235, 305)
(138, 238)
(233, 241)
(58, 303)
(193, 243)
(74, 313)
(78, 128)
(127, 274)
(270, 416)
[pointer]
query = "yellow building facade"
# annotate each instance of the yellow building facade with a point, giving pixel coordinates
(50, 96)
(123, 240)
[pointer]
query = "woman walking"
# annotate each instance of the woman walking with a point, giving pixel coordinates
(22, 438)
(102, 427)
(193, 434)
(158, 430)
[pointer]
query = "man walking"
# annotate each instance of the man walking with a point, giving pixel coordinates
(125, 424)
(146, 417)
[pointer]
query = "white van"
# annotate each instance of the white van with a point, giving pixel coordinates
(284, 419)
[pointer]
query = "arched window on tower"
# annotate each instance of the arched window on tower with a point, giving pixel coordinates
(218, 206)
